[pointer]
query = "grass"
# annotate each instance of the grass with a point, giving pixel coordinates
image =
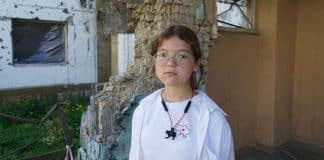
(14, 135)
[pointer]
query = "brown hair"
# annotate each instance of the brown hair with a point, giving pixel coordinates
(187, 35)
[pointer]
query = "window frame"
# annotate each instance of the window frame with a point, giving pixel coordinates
(252, 9)
(65, 32)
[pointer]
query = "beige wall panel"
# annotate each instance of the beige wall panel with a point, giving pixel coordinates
(267, 29)
(232, 82)
(308, 101)
(286, 35)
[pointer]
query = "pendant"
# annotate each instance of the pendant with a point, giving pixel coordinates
(171, 133)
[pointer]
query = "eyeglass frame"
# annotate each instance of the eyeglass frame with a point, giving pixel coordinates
(176, 59)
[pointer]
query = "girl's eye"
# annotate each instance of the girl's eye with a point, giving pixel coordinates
(161, 54)
(182, 56)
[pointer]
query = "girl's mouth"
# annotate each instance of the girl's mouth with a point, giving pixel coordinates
(170, 73)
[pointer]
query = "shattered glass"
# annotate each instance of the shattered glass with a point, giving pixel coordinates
(38, 42)
(233, 15)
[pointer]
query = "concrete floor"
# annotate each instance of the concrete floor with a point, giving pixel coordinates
(293, 150)
(253, 154)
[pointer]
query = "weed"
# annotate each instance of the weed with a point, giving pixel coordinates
(14, 135)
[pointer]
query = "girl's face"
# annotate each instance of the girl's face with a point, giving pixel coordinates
(175, 62)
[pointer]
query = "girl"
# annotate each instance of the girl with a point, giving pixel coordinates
(178, 122)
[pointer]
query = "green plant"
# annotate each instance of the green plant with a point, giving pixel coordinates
(18, 134)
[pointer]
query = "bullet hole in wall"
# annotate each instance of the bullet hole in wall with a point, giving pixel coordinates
(83, 3)
(65, 10)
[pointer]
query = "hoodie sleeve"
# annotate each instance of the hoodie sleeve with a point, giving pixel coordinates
(219, 138)
(135, 153)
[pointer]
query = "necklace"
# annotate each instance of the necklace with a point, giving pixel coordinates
(171, 133)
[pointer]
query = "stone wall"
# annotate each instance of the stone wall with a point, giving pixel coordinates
(111, 107)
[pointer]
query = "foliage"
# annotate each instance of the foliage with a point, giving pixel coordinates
(14, 134)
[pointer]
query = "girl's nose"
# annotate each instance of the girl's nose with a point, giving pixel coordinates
(171, 62)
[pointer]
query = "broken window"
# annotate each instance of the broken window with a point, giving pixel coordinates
(236, 14)
(44, 39)
(38, 42)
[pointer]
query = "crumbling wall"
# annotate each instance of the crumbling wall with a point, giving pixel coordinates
(100, 128)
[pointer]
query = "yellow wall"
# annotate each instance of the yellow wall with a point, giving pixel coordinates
(285, 50)
(232, 82)
(266, 29)
(308, 101)
(272, 83)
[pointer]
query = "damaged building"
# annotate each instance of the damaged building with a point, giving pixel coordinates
(262, 65)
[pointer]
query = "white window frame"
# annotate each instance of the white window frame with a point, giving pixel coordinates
(81, 42)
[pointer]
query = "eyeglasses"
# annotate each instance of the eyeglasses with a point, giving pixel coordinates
(180, 58)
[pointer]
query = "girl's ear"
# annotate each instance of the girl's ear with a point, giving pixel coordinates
(197, 64)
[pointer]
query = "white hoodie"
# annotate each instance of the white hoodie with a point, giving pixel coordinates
(214, 142)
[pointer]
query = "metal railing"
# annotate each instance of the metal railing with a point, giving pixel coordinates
(56, 108)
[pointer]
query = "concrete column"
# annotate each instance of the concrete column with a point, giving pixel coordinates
(267, 28)
(277, 27)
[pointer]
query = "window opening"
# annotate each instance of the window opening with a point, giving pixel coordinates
(38, 42)
(235, 14)
(122, 52)
(125, 51)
